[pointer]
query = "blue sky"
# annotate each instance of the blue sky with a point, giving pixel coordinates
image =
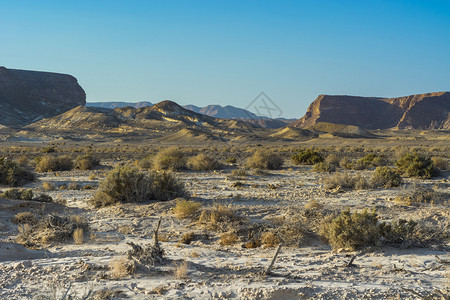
(227, 52)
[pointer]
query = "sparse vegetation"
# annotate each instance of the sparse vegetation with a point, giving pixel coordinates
(128, 184)
(264, 160)
(228, 238)
(345, 181)
(219, 218)
(19, 194)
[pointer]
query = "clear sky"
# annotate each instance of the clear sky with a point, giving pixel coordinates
(227, 52)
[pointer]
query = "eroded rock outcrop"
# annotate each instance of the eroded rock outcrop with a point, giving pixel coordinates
(28, 96)
(422, 111)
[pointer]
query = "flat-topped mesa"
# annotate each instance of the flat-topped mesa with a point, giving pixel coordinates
(28, 96)
(422, 111)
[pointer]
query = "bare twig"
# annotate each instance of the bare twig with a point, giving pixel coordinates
(273, 260)
(445, 262)
(350, 263)
(156, 232)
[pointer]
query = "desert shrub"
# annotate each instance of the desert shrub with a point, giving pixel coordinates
(345, 181)
(186, 208)
(228, 238)
(423, 195)
(345, 163)
(269, 239)
(370, 160)
(352, 231)
(264, 160)
(313, 204)
(169, 159)
(49, 149)
(13, 174)
(416, 165)
(25, 217)
(128, 184)
(19, 194)
(51, 229)
(86, 162)
(44, 198)
(291, 230)
(324, 166)
(78, 236)
(50, 163)
(307, 157)
(121, 267)
(231, 160)
(73, 186)
(220, 218)
(48, 186)
(202, 162)
(385, 177)
(239, 173)
(181, 270)
(440, 163)
(187, 238)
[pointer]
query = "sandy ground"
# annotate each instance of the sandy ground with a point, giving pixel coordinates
(311, 270)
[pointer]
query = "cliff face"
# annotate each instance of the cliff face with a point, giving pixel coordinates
(28, 96)
(423, 111)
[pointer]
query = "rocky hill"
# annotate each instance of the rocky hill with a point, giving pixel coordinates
(422, 111)
(27, 96)
(161, 119)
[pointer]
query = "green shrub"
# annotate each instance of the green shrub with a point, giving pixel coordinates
(352, 231)
(324, 167)
(202, 162)
(13, 174)
(386, 177)
(169, 159)
(86, 162)
(416, 165)
(128, 184)
(50, 163)
(424, 195)
(19, 194)
(264, 160)
(307, 157)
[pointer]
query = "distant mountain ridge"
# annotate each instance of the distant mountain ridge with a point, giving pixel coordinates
(421, 111)
(215, 110)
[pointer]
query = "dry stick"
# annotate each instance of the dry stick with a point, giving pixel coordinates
(156, 233)
(350, 263)
(445, 262)
(273, 260)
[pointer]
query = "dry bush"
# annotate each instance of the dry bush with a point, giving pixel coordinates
(351, 231)
(51, 163)
(19, 194)
(231, 160)
(369, 161)
(345, 181)
(78, 236)
(121, 267)
(202, 162)
(171, 158)
(86, 162)
(264, 160)
(146, 256)
(291, 230)
(186, 208)
(181, 270)
(440, 163)
(73, 186)
(423, 195)
(13, 174)
(307, 157)
(48, 186)
(269, 239)
(228, 238)
(416, 165)
(324, 167)
(220, 218)
(386, 177)
(187, 238)
(239, 173)
(51, 229)
(25, 217)
(345, 163)
(313, 204)
(128, 184)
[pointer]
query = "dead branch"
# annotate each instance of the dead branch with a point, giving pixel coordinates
(273, 260)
